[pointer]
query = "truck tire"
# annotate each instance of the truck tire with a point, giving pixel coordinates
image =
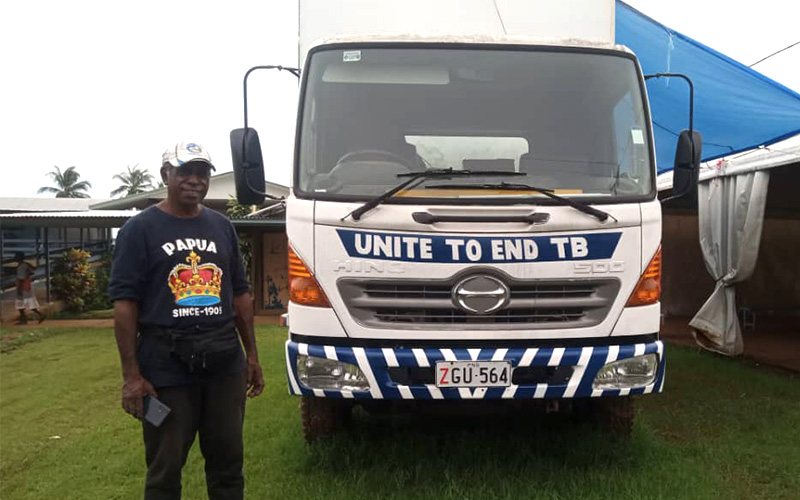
(323, 417)
(615, 415)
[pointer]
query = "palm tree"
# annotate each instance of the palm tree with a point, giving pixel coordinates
(67, 184)
(134, 181)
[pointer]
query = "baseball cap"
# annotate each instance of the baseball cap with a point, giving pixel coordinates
(184, 152)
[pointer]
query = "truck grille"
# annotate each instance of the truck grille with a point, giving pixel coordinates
(537, 304)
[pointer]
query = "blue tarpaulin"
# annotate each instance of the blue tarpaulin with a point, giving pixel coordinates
(735, 108)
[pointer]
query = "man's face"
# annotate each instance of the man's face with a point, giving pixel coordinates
(188, 184)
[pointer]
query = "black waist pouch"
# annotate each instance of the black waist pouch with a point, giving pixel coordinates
(204, 351)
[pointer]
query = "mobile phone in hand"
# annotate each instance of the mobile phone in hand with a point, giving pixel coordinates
(155, 411)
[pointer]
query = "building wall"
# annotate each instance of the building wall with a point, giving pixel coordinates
(687, 284)
(31, 242)
(775, 284)
(275, 286)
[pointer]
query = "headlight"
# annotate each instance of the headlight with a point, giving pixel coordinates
(322, 373)
(627, 373)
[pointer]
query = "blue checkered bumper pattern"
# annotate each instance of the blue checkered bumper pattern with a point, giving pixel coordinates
(376, 363)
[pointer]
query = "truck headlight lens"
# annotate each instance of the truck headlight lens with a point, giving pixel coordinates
(627, 373)
(322, 373)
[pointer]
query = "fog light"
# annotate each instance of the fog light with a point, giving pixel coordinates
(322, 373)
(627, 373)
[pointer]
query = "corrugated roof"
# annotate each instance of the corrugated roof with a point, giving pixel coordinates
(47, 204)
(220, 188)
(777, 155)
(107, 218)
(278, 223)
(87, 218)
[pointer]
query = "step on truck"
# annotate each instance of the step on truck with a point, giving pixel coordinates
(473, 211)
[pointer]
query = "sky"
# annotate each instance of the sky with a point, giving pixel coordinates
(103, 85)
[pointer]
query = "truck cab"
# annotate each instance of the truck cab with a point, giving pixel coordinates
(472, 217)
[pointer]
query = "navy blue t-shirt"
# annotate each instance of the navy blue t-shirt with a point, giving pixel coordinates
(183, 273)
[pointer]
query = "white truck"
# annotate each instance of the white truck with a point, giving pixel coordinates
(473, 210)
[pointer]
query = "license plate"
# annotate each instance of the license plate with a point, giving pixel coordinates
(473, 374)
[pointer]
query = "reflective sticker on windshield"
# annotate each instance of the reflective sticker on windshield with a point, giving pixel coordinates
(474, 193)
(351, 56)
(637, 136)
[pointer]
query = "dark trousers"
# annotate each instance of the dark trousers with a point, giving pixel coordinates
(215, 410)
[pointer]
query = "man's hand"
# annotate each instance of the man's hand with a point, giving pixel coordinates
(134, 388)
(255, 379)
(243, 306)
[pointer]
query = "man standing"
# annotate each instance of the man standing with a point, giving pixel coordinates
(180, 295)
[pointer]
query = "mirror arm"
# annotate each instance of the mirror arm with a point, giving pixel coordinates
(296, 73)
(691, 119)
(676, 196)
(691, 92)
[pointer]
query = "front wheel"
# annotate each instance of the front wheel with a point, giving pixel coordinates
(612, 414)
(324, 417)
(615, 415)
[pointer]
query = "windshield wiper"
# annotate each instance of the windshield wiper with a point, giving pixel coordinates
(416, 177)
(599, 214)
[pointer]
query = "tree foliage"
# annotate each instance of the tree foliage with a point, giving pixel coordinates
(98, 299)
(236, 209)
(67, 184)
(73, 282)
(134, 181)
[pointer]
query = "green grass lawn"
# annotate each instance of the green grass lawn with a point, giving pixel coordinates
(95, 314)
(722, 429)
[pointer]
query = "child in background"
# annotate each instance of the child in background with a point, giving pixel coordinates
(26, 299)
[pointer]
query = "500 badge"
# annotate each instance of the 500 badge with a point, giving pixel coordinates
(616, 266)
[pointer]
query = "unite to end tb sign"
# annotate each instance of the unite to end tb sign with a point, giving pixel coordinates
(484, 249)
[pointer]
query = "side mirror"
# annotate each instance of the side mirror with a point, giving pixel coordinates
(687, 164)
(248, 166)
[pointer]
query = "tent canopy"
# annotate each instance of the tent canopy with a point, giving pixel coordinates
(735, 108)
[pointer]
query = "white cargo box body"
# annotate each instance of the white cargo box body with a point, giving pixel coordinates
(588, 20)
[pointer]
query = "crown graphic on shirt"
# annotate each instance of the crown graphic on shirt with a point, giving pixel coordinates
(196, 284)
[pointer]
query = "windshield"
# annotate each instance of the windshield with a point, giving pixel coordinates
(573, 122)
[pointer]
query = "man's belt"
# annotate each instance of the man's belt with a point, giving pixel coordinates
(199, 348)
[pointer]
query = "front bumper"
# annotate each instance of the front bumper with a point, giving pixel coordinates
(380, 366)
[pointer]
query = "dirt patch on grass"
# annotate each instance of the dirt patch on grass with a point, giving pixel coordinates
(8, 337)
(66, 323)
(773, 342)
(25, 334)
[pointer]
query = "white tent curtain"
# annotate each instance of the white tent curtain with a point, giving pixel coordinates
(731, 214)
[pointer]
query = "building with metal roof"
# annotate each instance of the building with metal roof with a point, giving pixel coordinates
(221, 188)
(15, 205)
(43, 228)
